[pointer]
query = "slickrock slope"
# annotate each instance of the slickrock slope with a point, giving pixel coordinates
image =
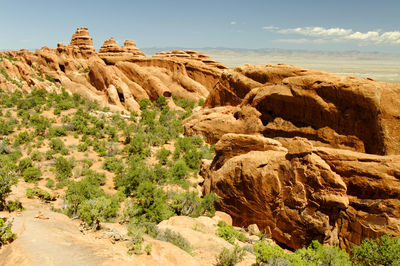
(117, 76)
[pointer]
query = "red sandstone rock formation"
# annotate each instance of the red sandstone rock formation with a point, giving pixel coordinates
(336, 111)
(299, 192)
(117, 76)
(82, 40)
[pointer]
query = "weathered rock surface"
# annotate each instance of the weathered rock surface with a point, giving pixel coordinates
(299, 192)
(329, 110)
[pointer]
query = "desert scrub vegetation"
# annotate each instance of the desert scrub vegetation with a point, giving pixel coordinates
(229, 233)
(99, 161)
(6, 235)
(230, 257)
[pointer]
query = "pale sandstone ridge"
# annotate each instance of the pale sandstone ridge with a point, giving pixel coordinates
(191, 55)
(297, 193)
(117, 77)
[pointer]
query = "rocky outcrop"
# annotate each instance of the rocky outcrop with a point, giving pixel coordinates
(330, 110)
(82, 40)
(297, 192)
(111, 52)
(116, 77)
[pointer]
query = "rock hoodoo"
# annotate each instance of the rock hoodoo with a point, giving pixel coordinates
(82, 40)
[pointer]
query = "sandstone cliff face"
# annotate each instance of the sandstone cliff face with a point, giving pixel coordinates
(117, 76)
(297, 192)
(325, 185)
(336, 111)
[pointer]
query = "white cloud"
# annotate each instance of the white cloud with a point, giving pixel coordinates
(270, 28)
(233, 22)
(316, 31)
(337, 35)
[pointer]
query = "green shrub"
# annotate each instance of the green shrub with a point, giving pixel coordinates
(22, 138)
(317, 254)
(56, 145)
(6, 127)
(314, 254)
(49, 154)
(40, 193)
(57, 132)
(50, 183)
(144, 103)
(96, 210)
(135, 239)
(113, 165)
(100, 148)
(149, 205)
(36, 156)
(177, 240)
(162, 155)
(32, 174)
(190, 204)
(82, 147)
(179, 170)
(162, 102)
(78, 192)
(271, 254)
(230, 258)
(14, 206)
(136, 172)
(63, 168)
(6, 235)
(148, 248)
(24, 164)
(381, 251)
(229, 233)
(7, 179)
(94, 177)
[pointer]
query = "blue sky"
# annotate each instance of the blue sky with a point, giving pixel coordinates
(363, 25)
